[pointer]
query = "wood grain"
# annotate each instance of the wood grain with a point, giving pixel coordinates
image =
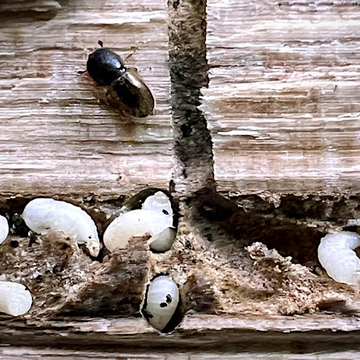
(100, 336)
(283, 103)
(35, 6)
(282, 108)
(54, 136)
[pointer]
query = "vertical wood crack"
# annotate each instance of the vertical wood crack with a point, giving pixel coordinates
(188, 71)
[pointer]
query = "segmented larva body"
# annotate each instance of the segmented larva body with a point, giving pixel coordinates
(160, 302)
(15, 300)
(46, 215)
(4, 228)
(155, 218)
(337, 256)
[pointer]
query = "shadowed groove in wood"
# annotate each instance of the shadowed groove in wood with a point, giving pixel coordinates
(188, 71)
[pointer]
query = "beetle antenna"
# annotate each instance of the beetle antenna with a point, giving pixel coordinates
(100, 43)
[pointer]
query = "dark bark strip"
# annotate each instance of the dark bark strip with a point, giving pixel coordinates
(188, 70)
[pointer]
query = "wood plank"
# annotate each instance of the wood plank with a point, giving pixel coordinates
(30, 354)
(209, 334)
(54, 136)
(283, 100)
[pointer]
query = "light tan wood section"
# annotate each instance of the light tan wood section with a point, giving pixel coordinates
(283, 102)
(54, 135)
(201, 337)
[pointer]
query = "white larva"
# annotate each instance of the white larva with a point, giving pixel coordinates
(160, 302)
(4, 229)
(46, 215)
(134, 223)
(15, 300)
(337, 256)
(155, 218)
(163, 240)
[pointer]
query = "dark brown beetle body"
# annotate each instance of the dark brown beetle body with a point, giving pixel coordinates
(107, 69)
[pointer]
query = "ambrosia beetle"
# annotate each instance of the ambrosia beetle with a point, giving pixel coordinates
(107, 69)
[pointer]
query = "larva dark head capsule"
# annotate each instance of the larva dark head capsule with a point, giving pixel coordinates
(125, 85)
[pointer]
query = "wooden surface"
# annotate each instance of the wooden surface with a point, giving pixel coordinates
(349, 355)
(214, 335)
(251, 98)
(283, 100)
(54, 136)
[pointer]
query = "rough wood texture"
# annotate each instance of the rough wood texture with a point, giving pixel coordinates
(188, 70)
(55, 137)
(36, 6)
(303, 335)
(58, 140)
(283, 100)
(57, 354)
(64, 280)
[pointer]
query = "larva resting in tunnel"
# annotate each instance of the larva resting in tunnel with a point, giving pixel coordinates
(155, 218)
(4, 228)
(161, 301)
(46, 215)
(15, 299)
(337, 256)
